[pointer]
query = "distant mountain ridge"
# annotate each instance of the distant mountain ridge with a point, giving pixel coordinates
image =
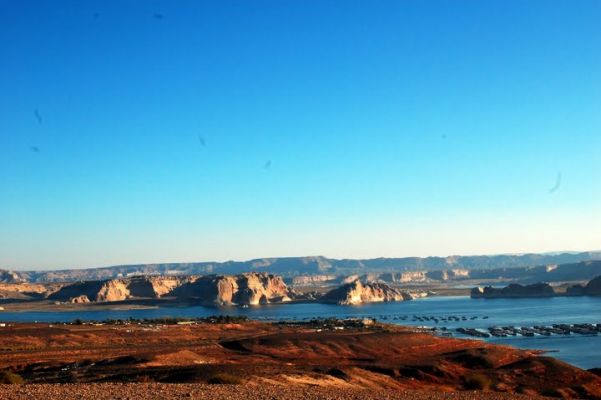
(295, 266)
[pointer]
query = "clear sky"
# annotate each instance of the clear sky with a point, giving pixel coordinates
(165, 131)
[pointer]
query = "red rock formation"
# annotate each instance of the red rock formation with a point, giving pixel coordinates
(357, 293)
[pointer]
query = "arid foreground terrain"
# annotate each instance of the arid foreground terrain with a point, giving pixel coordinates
(255, 360)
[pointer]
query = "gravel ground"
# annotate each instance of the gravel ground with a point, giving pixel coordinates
(201, 391)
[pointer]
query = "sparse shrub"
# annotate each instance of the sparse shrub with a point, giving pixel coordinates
(145, 379)
(8, 377)
(551, 392)
(224, 379)
(337, 373)
(478, 382)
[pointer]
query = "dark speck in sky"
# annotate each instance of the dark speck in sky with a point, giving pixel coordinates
(35, 149)
(443, 136)
(96, 15)
(557, 183)
(37, 116)
(267, 165)
(202, 141)
(157, 16)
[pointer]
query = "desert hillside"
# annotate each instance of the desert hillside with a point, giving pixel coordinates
(343, 356)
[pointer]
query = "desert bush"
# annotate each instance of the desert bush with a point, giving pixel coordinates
(145, 379)
(554, 392)
(337, 373)
(8, 377)
(224, 379)
(478, 382)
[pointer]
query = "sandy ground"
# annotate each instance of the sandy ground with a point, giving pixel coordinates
(201, 391)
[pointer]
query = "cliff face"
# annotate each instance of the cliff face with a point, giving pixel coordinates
(358, 293)
(245, 289)
(303, 280)
(156, 286)
(448, 274)
(113, 290)
(79, 299)
(593, 288)
(36, 290)
(413, 276)
(87, 289)
(120, 289)
(11, 277)
(514, 290)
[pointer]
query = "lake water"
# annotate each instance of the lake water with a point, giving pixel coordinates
(583, 351)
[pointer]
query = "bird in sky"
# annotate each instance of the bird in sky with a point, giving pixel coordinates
(38, 116)
(557, 183)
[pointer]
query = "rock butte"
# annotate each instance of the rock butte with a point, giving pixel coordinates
(514, 290)
(592, 288)
(357, 292)
(244, 289)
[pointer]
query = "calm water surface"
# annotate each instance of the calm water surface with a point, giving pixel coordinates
(583, 351)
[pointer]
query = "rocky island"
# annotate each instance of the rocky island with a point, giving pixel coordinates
(247, 289)
(592, 288)
(243, 289)
(119, 289)
(356, 292)
(513, 290)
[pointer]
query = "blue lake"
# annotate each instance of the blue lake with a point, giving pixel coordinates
(583, 351)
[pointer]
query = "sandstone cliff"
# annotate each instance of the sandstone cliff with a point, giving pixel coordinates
(79, 299)
(10, 277)
(448, 274)
(514, 290)
(412, 276)
(357, 292)
(156, 286)
(593, 288)
(252, 288)
(304, 280)
(120, 289)
(27, 291)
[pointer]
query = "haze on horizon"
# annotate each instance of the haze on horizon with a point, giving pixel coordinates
(135, 132)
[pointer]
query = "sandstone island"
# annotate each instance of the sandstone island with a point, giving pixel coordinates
(515, 290)
(247, 289)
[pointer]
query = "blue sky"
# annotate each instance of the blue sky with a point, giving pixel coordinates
(338, 128)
